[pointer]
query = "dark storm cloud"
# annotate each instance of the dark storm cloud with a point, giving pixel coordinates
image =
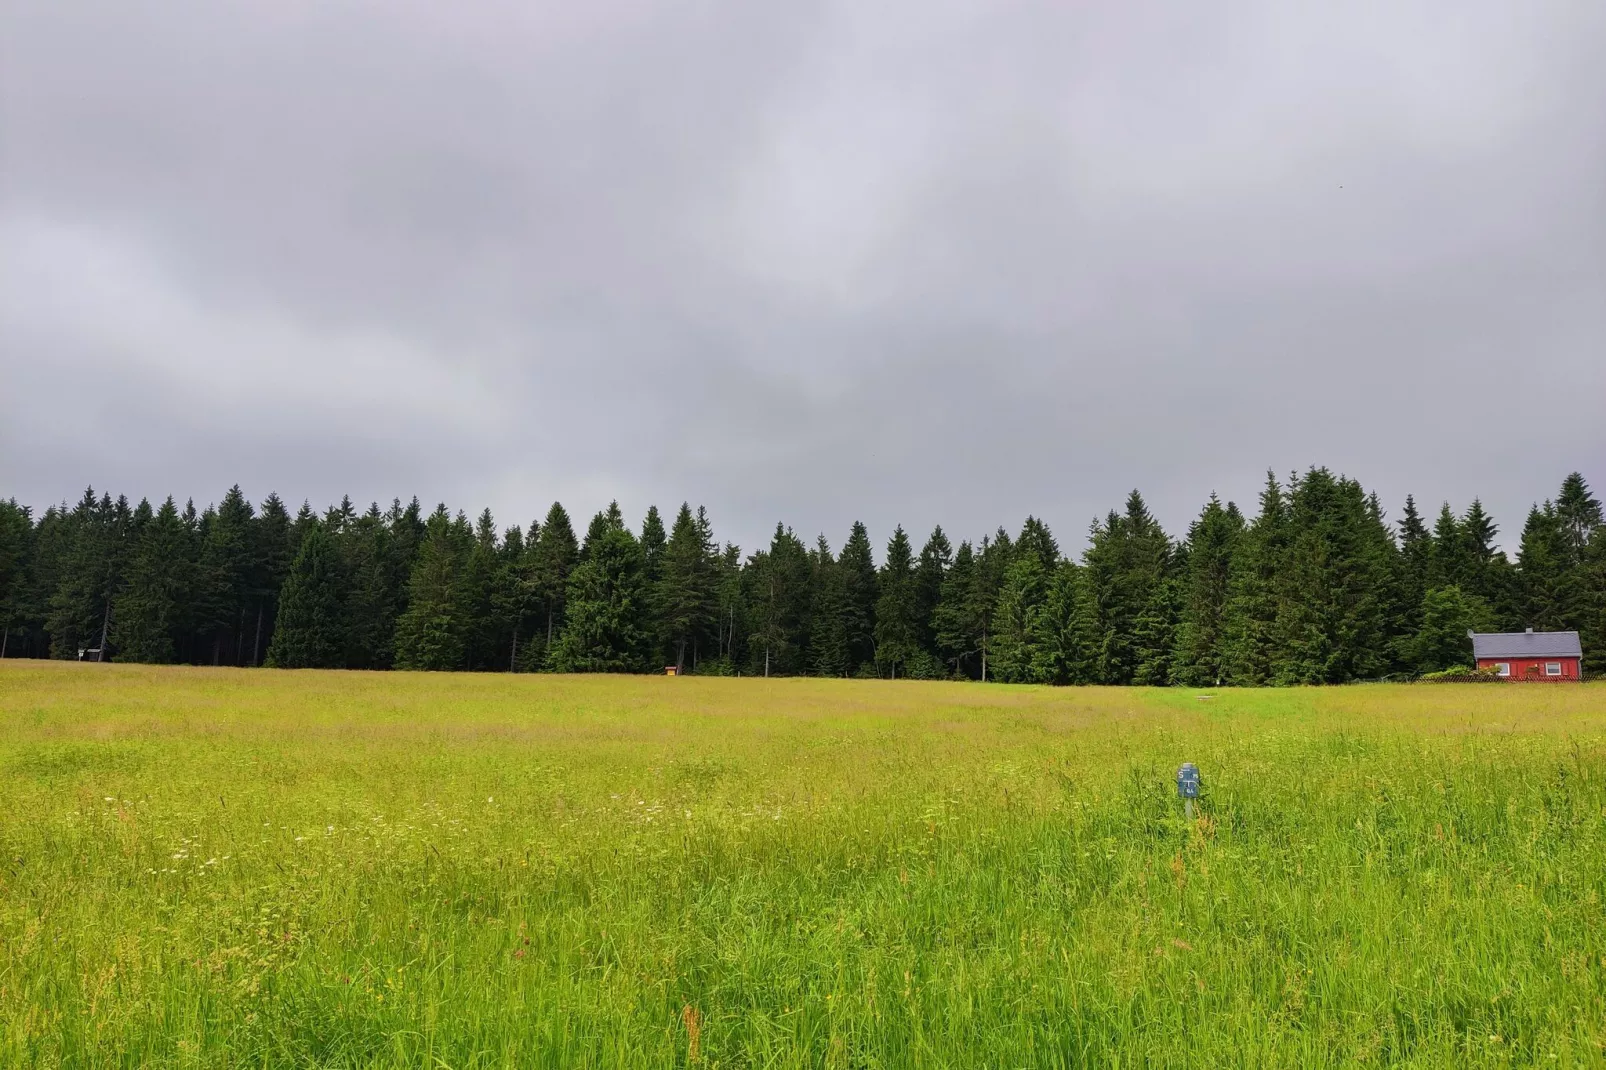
(912, 262)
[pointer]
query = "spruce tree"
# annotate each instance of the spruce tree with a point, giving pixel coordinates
(828, 617)
(1014, 621)
(223, 579)
(776, 590)
(861, 593)
(1062, 642)
(1592, 601)
(551, 561)
(16, 564)
(309, 632)
(1578, 513)
(1201, 651)
(373, 592)
(958, 633)
(1543, 575)
(686, 599)
(1251, 652)
(603, 630)
(432, 633)
(987, 581)
(1332, 589)
(898, 629)
(149, 609)
(271, 554)
(1441, 642)
(936, 557)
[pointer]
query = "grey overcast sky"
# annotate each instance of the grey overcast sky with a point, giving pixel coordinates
(945, 260)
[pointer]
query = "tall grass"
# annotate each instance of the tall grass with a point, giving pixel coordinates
(234, 868)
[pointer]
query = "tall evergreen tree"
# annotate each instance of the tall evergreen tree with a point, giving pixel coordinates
(150, 608)
(1441, 642)
(958, 632)
(898, 627)
(686, 599)
(223, 579)
(551, 561)
(1578, 513)
(1251, 652)
(16, 563)
(373, 592)
(271, 554)
(936, 558)
(1201, 654)
(1332, 606)
(606, 603)
(777, 594)
(432, 633)
(309, 631)
(1020, 602)
(1542, 563)
(986, 583)
(861, 593)
(1062, 641)
(828, 613)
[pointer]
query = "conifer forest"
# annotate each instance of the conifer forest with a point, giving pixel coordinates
(1317, 585)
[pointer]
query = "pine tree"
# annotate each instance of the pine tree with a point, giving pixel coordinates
(1061, 641)
(374, 594)
(271, 554)
(309, 632)
(551, 561)
(95, 542)
(936, 558)
(1251, 652)
(1020, 601)
(958, 632)
(16, 563)
(223, 579)
(686, 599)
(431, 634)
(776, 584)
(1129, 560)
(1578, 513)
(1332, 589)
(149, 610)
(606, 606)
(1441, 642)
(1542, 570)
(897, 631)
(1592, 601)
(986, 583)
(861, 593)
(1201, 651)
(828, 616)
(488, 633)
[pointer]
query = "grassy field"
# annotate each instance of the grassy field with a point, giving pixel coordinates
(250, 868)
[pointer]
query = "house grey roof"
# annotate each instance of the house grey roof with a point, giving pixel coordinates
(1526, 645)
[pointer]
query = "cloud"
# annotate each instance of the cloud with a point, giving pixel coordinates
(815, 262)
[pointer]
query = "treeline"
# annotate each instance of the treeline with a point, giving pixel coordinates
(1319, 587)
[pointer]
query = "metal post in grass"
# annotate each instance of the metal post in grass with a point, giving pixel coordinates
(1188, 786)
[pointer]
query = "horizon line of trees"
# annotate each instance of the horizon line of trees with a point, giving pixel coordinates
(1318, 587)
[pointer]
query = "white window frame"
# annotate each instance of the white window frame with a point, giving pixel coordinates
(1552, 668)
(1503, 668)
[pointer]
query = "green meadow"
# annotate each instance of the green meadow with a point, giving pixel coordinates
(203, 867)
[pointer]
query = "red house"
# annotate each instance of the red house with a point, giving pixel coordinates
(1529, 655)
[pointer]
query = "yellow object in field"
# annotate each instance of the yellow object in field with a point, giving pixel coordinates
(670, 670)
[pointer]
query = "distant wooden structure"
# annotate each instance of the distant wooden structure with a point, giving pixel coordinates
(670, 670)
(1556, 657)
